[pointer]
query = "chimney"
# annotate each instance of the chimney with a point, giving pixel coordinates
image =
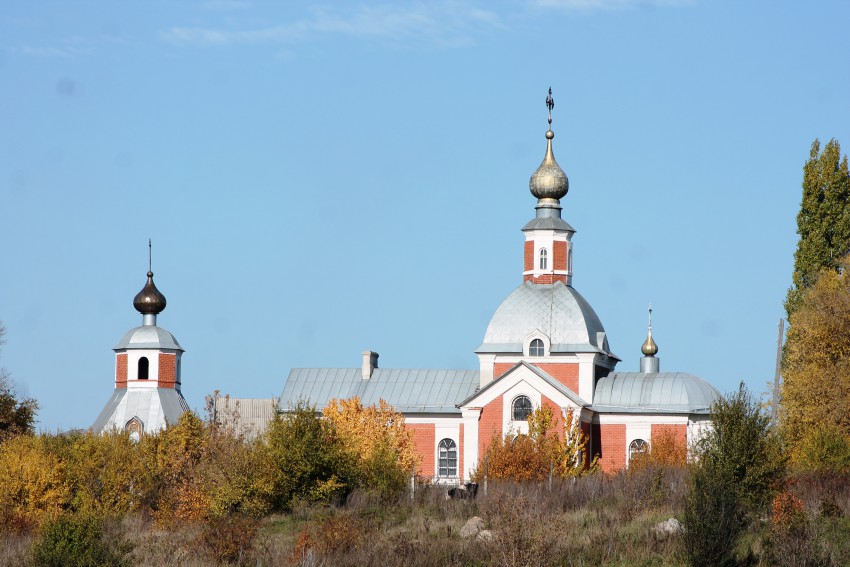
(370, 363)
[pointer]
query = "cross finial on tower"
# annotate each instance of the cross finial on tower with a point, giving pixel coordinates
(150, 254)
(650, 316)
(550, 104)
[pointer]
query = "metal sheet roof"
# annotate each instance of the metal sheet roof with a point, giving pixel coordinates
(548, 223)
(155, 408)
(556, 310)
(654, 392)
(148, 336)
(407, 390)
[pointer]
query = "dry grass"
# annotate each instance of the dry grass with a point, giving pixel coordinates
(596, 520)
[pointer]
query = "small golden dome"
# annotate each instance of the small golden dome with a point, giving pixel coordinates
(649, 347)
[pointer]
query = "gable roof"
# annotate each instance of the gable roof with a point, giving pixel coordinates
(407, 390)
(542, 374)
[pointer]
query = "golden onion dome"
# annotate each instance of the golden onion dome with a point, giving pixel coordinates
(549, 182)
(649, 347)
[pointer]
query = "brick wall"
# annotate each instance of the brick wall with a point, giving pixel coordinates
(425, 443)
(489, 423)
(678, 431)
(501, 367)
(565, 373)
(121, 371)
(560, 255)
(556, 411)
(167, 370)
(545, 278)
(612, 447)
(529, 256)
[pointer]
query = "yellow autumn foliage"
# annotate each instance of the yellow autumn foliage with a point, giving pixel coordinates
(377, 440)
(816, 363)
(32, 491)
(544, 450)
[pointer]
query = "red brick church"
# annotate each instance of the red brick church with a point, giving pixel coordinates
(544, 346)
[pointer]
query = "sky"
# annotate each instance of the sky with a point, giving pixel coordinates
(323, 178)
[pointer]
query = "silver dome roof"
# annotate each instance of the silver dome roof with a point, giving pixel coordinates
(653, 392)
(148, 336)
(556, 310)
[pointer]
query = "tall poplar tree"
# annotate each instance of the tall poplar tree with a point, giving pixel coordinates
(823, 222)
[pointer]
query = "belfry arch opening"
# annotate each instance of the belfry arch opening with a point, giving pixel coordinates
(144, 368)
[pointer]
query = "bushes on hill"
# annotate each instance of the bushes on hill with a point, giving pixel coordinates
(738, 468)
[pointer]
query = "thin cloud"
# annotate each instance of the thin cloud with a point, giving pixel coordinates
(592, 5)
(441, 24)
(65, 52)
(225, 5)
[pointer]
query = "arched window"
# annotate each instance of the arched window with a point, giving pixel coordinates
(521, 408)
(144, 367)
(536, 348)
(448, 459)
(637, 448)
(544, 261)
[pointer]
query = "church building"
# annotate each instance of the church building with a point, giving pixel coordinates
(544, 346)
(147, 374)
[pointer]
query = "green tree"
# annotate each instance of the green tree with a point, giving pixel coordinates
(823, 222)
(16, 416)
(816, 387)
(303, 458)
(738, 467)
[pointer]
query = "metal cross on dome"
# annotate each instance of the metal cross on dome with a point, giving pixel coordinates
(550, 104)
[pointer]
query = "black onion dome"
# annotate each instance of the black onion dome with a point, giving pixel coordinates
(149, 301)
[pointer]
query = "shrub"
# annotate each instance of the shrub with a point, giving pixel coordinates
(80, 540)
(302, 458)
(738, 467)
(229, 538)
(32, 490)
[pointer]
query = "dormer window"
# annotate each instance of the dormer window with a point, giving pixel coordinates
(544, 259)
(144, 368)
(536, 348)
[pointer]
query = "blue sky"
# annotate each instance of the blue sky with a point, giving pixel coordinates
(324, 178)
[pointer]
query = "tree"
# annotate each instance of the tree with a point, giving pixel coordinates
(543, 450)
(823, 222)
(816, 388)
(33, 490)
(304, 458)
(377, 440)
(16, 416)
(738, 467)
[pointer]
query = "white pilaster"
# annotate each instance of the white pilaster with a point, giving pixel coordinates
(470, 441)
